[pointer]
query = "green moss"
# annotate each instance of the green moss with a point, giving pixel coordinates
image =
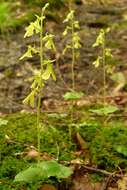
(104, 146)
(4, 15)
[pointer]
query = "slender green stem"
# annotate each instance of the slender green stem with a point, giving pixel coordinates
(73, 59)
(39, 97)
(38, 125)
(41, 45)
(70, 4)
(61, 77)
(104, 72)
(58, 151)
(73, 49)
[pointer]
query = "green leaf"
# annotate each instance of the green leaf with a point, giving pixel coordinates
(73, 95)
(121, 149)
(43, 171)
(54, 169)
(105, 110)
(29, 175)
(3, 122)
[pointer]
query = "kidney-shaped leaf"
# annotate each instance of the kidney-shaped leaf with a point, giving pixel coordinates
(43, 171)
(73, 95)
(30, 175)
(105, 110)
(52, 168)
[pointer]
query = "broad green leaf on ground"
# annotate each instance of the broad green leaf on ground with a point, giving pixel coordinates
(73, 95)
(52, 168)
(30, 175)
(105, 110)
(43, 171)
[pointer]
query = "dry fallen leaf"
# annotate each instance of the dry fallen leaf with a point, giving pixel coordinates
(47, 187)
(81, 142)
(32, 154)
(84, 183)
(122, 183)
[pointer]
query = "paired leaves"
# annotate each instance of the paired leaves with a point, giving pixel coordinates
(43, 171)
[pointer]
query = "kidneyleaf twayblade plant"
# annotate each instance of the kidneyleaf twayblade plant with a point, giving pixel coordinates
(102, 58)
(72, 25)
(46, 65)
(41, 170)
(74, 44)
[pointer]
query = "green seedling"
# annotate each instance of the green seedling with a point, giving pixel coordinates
(102, 58)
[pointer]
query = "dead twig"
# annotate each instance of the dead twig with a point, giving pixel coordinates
(102, 171)
(90, 168)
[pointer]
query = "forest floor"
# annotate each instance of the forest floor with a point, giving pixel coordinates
(97, 151)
